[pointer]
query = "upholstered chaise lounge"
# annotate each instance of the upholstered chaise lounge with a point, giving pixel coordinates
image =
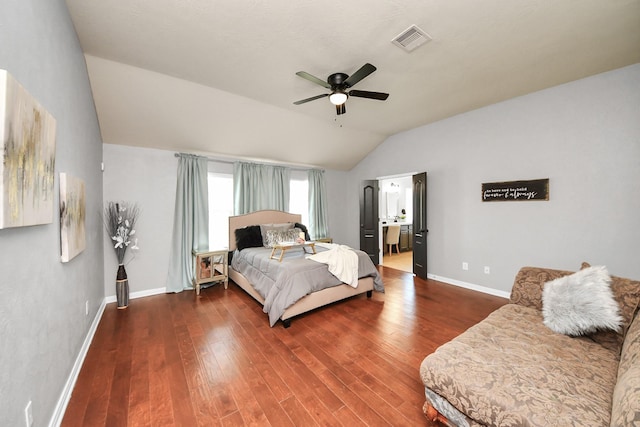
(511, 369)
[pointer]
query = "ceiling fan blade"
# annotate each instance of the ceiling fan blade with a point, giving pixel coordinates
(313, 79)
(341, 109)
(313, 98)
(363, 72)
(371, 95)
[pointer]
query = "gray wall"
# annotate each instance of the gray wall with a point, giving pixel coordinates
(584, 136)
(148, 178)
(335, 182)
(42, 309)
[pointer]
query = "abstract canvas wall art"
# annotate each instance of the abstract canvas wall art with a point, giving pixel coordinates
(72, 216)
(27, 147)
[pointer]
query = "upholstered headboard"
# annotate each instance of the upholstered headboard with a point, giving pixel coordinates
(257, 218)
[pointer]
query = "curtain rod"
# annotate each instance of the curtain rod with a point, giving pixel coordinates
(209, 159)
(230, 162)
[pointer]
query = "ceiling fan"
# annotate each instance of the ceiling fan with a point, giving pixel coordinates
(340, 83)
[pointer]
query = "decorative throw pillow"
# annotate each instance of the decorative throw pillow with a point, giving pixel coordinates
(248, 237)
(278, 236)
(278, 227)
(581, 303)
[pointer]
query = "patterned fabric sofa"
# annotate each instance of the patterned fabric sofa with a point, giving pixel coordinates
(512, 370)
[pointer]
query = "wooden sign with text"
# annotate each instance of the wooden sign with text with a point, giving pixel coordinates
(536, 189)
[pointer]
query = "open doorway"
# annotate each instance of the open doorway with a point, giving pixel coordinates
(405, 211)
(396, 222)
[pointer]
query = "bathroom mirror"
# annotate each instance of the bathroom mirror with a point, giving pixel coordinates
(392, 204)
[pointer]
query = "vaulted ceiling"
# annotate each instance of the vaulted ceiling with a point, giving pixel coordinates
(218, 77)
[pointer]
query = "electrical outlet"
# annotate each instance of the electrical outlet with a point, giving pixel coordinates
(86, 308)
(465, 265)
(28, 416)
(487, 270)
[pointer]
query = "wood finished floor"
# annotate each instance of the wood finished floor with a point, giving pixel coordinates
(213, 360)
(402, 261)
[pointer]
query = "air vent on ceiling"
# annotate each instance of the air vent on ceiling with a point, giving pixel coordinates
(411, 38)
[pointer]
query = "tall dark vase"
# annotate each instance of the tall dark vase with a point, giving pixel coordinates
(122, 288)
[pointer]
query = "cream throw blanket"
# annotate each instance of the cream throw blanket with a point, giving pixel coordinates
(342, 262)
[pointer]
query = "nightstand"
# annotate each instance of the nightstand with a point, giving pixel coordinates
(325, 240)
(210, 266)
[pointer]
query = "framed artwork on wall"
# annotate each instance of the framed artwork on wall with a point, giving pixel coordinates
(28, 148)
(535, 189)
(72, 217)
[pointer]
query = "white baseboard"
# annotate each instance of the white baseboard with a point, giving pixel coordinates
(139, 294)
(63, 401)
(471, 286)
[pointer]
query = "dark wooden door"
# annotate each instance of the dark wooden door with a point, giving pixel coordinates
(420, 225)
(369, 220)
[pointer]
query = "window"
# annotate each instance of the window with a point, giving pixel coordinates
(221, 204)
(220, 208)
(299, 196)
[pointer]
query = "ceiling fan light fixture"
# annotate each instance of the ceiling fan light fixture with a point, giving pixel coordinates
(340, 85)
(338, 98)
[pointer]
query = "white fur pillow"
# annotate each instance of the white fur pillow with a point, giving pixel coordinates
(581, 303)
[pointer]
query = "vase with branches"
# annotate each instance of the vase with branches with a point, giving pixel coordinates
(120, 219)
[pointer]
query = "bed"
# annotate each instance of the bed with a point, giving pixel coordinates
(337, 291)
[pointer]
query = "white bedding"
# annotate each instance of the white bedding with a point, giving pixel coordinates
(342, 262)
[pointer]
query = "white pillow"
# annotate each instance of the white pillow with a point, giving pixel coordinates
(581, 303)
